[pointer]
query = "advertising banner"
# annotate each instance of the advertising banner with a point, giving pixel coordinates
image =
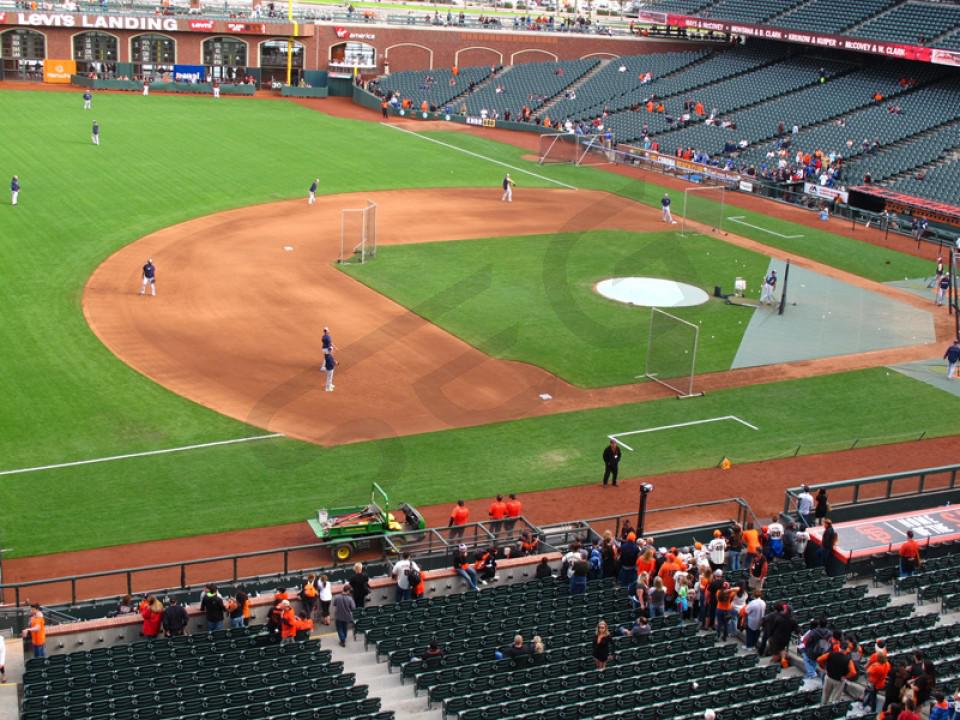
(188, 73)
(826, 193)
(58, 71)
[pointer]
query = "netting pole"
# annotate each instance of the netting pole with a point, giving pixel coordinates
(783, 293)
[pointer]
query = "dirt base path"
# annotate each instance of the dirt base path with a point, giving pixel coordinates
(243, 296)
(762, 484)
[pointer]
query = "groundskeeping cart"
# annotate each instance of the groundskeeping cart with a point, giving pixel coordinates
(361, 527)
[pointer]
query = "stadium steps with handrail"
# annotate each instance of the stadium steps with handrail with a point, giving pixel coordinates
(495, 75)
(583, 79)
(946, 155)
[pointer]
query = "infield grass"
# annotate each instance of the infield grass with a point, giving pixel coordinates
(276, 481)
(539, 291)
(166, 159)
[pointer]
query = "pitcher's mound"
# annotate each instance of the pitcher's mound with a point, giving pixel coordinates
(651, 292)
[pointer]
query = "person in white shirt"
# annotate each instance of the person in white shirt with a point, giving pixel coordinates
(805, 507)
(775, 533)
(718, 551)
(325, 596)
(401, 573)
(755, 611)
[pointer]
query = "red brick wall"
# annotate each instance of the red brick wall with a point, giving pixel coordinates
(406, 48)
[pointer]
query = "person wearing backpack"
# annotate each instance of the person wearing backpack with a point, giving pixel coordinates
(407, 574)
(813, 644)
(596, 561)
(325, 597)
(308, 594)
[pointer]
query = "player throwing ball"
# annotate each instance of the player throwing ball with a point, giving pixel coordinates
(149, 277)
(665, 209)
(508, 185)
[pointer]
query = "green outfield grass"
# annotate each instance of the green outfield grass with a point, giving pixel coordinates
(165, 159)
(565, 326)
(284, 481)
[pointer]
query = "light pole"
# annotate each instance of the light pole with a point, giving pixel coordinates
(645, 489)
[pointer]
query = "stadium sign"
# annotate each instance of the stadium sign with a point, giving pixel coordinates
(104, 22)
(345, 34)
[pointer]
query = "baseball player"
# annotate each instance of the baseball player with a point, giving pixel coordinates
(952, 356)
(149, 276)
(216, 89)
(327, 341)
(96, 133)
(14, 189)
(665, 209)
(313, 191)
(768, 288)
(943, 287)
(508, 185)
(329, 365)
(146, 87)
(87, 99)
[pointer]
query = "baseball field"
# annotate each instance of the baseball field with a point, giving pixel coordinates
(471, 311)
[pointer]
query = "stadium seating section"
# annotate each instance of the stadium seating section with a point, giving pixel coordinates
(227, 674)
(437, 87)
(912, 23)
(526, 85)
(648, 679)
(829, 16)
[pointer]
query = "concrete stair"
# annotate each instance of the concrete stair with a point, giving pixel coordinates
(386, 686)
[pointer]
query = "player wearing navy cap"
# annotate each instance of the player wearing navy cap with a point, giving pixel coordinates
(14, 189)
(87, 99)
(149, 276)
(769, 286)
(326, 340)
(312, 198)
(96, 133)
(329, 365)
(508, 184)
(665, 209)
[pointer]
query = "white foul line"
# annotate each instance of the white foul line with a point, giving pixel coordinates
(617, 436)
(147, 453)
(478, 155)
(739, 219)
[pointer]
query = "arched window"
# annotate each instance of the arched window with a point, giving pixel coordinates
(23, 52)
(95, 52)
(273, 62)
(225, 57)
(153, 55)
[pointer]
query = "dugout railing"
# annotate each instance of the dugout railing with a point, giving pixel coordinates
(860, 497)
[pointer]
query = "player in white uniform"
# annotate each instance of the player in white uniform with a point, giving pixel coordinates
(768, 289)
(508, 185)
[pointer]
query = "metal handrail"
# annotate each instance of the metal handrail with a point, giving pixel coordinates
(790, 495)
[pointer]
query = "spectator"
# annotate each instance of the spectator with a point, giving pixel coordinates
(658, 599)
(878, 668)
(724, 605)
(458, 519)
(909, 711)
(239, 609)
(822, 506)
(838, 668)
(827, 543)
(538, 647)
(304, 626)
(543, 569)
(790, 547)
(152, 613)
(717, 549)
(213, 608)
(640, 599)
(941, 710)
(682, 601)
(595, 559)
(757, 572)
(602, 645)
(325, 597)
(629, 554)
(529, 543)
(407, 574)
(463, 567)
(579, 571)
(517, 649)
(814, 643)
(359, 585)
(909, 556)
(775, 535)
(126, 606)
(754, 613)
(433, 650)
(781, 628)
(288, 622)
(343, 607)
(308, 594)
(37, 631)
(640, 630)
(735, 546)
(486, 565)
(751, 544)
(741, 597)
(896, 682)
(175, 619)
